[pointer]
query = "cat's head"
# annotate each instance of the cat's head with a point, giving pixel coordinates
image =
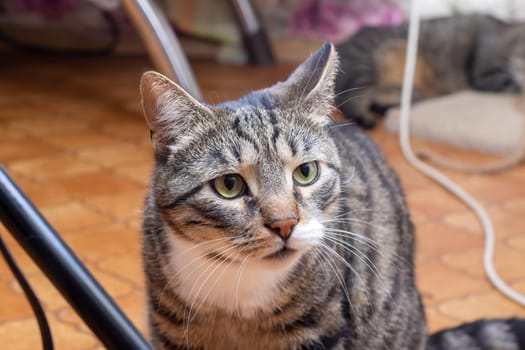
(500, 60)
(515, 40)
(253, 177)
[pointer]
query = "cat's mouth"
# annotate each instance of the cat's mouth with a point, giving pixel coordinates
(282, 253)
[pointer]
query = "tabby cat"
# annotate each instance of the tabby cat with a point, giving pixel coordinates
(267, 226)
(454, 53)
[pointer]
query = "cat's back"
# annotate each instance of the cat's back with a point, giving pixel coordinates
(366, 169)
(448, 46)
(379, 220)
(455, 36)
(435, 34)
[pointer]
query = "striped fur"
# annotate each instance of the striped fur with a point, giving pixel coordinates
(479, 335)
(219, 277)
(454, 54)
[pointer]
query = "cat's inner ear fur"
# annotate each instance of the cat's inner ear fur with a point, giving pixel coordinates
(311, 86)
(169, 110)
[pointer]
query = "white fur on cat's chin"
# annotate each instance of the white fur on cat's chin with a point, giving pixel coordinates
(210, 282)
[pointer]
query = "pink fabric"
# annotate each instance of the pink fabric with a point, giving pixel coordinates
(338, 20)
(49, 9)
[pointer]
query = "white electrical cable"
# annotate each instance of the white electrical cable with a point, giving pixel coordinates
(406, 96)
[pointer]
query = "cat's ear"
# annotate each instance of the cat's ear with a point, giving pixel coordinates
(311, 85)
(169, 110)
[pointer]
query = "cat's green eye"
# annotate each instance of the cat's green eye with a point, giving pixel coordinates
(306, 174)
(229, 186)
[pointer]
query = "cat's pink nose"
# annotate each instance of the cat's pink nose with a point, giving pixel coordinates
(284, 227)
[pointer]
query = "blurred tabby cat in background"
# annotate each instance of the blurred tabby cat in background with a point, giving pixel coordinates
(455, 53)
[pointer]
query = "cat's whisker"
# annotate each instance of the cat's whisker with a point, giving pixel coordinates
(211, 288)
(352, 250)
(338, 256)
(379, 228)
(340, 125)
(219, 277)
(349, 99)
(361, 256)
(372, 244)
(182, 268)
(360, 237)
(351, 89)
(357, 210)
(178, 272)
(238, 281)
(327, 258)
(220, 239)
(352, 176)
(210, 263)
(213, 265)
(375, 248)
(332, 253)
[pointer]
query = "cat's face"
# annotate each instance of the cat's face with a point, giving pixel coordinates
(250, 179)
(501, 60)
(517, 64)
(516, 58)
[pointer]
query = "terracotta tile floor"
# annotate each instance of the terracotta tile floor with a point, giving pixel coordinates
(72, 136)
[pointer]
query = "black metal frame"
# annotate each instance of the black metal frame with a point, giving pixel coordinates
(65, 271)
